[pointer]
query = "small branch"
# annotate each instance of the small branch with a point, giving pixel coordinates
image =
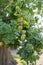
(10, 2)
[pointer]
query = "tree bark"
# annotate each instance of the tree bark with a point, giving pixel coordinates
(6, 57)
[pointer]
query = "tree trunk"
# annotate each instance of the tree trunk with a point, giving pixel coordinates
(5, 56)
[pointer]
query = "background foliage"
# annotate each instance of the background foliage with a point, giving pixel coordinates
(19, 26)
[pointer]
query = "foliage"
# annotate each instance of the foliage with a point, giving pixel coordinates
(19, 25)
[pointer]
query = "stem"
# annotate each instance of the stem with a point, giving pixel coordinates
(27, 62)
(35, 62)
